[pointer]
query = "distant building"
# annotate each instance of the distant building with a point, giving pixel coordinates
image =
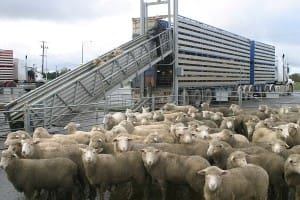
(7, 66)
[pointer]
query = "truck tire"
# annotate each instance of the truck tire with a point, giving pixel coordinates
(290, 89)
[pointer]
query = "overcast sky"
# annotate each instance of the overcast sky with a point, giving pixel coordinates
(102, 25)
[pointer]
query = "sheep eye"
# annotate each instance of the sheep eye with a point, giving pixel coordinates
(291, 161)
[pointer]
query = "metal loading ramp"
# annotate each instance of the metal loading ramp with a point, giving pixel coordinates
(91, 81)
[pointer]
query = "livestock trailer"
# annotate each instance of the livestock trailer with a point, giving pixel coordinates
(209, 61)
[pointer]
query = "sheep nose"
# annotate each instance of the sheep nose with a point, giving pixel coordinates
(23, 152)
(150, 163)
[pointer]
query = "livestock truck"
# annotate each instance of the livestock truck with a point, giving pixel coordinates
(214, 64)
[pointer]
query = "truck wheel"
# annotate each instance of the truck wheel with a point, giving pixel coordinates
(290, 89)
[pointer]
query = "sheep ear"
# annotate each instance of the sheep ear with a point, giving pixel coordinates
(77, 125)
(99, 140)
(36, 141)
(66, 127)
(17, 136)
(23, 136)
(155, 139)
(287, 146)
(99, 150)
(231, 158)
(115, 140)
(15, 155)
(157, 150)
(142, 150)
(201, 172)
(223, 172)
(83, 150)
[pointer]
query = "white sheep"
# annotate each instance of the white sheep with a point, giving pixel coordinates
(248, 182)
(30, 175)
(167, 167)
(107, 169)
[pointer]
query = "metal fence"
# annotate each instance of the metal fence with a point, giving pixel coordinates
(8, 94)
(92, 114)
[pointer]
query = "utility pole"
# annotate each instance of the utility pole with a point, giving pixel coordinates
(43, 46)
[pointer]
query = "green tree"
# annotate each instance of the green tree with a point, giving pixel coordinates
(295, 77)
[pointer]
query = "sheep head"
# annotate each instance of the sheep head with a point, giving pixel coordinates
(121, 143)
(6, 157)
(89, 155)
(150, 156)
(238, 159)
(216, 148)
(213, 177)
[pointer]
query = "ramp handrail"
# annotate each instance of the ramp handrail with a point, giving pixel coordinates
(93, 80)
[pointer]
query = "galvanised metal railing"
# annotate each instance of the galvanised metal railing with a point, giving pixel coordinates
(94, 80)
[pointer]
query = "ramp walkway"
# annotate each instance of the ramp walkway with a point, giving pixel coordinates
(93, 80)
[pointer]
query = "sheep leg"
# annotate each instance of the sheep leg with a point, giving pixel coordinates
(297, 193)
(163, 188)
(100, 191)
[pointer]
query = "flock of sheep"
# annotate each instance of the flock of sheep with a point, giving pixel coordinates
(215, 153)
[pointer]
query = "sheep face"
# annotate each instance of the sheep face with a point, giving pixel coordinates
(250, 128)
(238, 159)
(206, 114)
(71, 126)
(203, 134)
(89, 155)
(27, 148)
(107, 121)
(122, 143)
(215, 148)
(293, 163)
(131, 118)
(229, 124)
(292, 129)
(205, 106)
(182, 118)
(6, 157)
(278, 146)
(96, 143)
(184, 135)
(225, 135)
(150, 156)
(283, 130)
(16, 148)
(213, 177)
(262, 108)
(158, 116)
(216, 116)
(152, 138)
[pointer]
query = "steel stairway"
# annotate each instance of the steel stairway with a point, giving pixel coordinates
(92, 80)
